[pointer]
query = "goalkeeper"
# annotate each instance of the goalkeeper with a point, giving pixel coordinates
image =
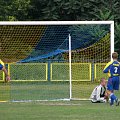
(99, 94)
(2, 67)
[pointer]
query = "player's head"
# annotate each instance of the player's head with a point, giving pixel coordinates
(103, 81)
(115, 55)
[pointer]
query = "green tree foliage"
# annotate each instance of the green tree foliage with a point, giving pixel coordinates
(19, 9)
(13, 10)
(4, 10)
(59, 10)
(117, 37)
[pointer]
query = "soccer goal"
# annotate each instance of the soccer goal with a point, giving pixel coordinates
(54, 60)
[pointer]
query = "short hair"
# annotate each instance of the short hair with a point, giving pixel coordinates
(115, 55)
(102, 79)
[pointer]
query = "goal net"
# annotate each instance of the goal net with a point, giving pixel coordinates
(54, 60)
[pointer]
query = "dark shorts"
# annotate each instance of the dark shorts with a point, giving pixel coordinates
(113, 83)
(1, 66)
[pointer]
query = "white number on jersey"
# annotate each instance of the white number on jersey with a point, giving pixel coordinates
(116, 69)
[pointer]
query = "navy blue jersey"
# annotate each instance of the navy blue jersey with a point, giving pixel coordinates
(112, 68)
(1, 66)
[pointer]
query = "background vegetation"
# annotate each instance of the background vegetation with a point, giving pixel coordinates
(39, 10)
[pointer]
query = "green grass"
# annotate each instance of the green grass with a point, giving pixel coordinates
(59, 110)
(70, 110)
(44, 90)
(34, 90)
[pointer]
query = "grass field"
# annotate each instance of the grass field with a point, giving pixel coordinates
(69, 110)
(52, 110)
(45, 90)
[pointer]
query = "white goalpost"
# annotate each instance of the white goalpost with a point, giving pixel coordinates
(70, 72)
(54, 60)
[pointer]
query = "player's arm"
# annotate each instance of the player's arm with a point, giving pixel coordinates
(119, 69)
(2, 67)
(93, 94)
(6, 74)
(107, 67)
(5, 71)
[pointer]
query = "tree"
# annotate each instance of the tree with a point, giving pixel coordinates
(19, 9)
(4, 10)
(105, 9)
(117, 37)
(13, 10)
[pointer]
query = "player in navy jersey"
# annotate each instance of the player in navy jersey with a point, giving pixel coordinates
(2, 67)
(113, 70)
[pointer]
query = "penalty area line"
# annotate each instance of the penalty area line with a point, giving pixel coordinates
(41, 100)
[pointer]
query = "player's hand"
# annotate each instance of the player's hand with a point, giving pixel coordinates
(106, 97)
(7, 78)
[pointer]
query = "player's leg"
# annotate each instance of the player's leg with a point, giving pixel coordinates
(110, 91)
(113, 84)
(112, 97)
(116, 87)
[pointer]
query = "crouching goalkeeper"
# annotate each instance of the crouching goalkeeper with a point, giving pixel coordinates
(99, 94)
(2, 67)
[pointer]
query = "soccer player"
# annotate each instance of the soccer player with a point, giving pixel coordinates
(113, 70)
(99, 94)
(2, 67)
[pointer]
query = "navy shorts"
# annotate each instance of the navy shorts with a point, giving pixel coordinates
(113, 83)
(1, 66)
